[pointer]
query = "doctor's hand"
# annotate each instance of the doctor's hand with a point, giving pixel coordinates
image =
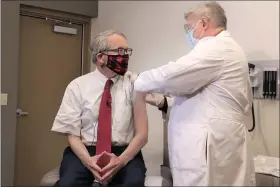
(155, 99)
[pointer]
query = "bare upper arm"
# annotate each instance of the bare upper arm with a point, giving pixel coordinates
(68, 117)
(140, 113)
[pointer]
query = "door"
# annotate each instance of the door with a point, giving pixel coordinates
(48, 62)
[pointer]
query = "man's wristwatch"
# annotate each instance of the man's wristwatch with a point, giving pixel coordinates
(96, 184)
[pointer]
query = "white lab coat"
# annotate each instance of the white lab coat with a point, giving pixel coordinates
(209, 121)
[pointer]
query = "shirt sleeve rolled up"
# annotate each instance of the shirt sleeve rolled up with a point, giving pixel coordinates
(68, 118)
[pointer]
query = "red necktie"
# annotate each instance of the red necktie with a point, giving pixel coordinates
(104, 131)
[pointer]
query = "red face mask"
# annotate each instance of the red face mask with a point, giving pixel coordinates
(118, 63)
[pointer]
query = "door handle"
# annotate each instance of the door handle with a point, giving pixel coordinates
(19, 112)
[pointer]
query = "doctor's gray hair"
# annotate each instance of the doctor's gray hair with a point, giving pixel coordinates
(100, 43)
(213, 10)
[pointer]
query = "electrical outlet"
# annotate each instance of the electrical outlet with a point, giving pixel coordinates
(4, 99)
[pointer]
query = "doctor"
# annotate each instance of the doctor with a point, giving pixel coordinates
(209, 120)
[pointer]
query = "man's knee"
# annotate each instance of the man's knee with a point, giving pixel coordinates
(73, 181)
(66, 182)
(73, 172)
(136, 178)
(134, 183)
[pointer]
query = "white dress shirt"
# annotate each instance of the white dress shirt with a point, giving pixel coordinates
(79, 110)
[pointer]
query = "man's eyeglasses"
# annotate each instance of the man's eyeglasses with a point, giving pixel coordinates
(121, 51)
(188, 26)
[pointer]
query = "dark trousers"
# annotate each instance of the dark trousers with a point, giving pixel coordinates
(73, 172)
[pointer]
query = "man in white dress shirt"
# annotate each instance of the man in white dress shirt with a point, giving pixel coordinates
(79, 118)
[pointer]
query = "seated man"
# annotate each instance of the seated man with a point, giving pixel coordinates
(105, 121)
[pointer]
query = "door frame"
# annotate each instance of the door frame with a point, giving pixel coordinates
(53, 15)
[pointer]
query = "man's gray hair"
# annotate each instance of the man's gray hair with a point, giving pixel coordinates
(213, 11)
(100, 43)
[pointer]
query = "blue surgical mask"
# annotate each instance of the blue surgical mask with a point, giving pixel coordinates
(190, 39)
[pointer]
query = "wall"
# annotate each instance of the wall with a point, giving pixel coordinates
(10, 21)
(155, 32)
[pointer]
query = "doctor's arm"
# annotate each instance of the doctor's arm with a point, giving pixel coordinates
(141, 129)
(183, 77)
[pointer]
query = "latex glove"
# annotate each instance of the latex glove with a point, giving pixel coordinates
(155, 99)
